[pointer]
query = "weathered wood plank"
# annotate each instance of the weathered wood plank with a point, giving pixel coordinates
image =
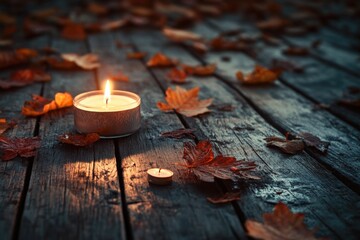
(295, 176)
(179, 211)
(318, 82)
(290, 112)
(13, 173)
(74, 192)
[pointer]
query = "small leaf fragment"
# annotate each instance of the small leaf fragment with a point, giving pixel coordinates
(260, 75)
(225, 198)
(80, 140)
(161, 60)
(200, 70)
(180, 133)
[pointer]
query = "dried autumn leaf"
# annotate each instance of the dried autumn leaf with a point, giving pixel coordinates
(5, 125)
(200, 70)
(178, 35)
(160, 60)
(120, 77)
(288, 146)
(25, 77)
(80, 140)
(23, 147)
(185, 102)
(180, 133)
(280, 224)
(260, 75)
(200, 160)
(136, 55)
(59, 63)
(313, 141)
(97, 9)
(40, 105)
(88, 61)
(222, 44)
(73, 31)
(114, 24)
(19, 56)
(273, 24)
(226, 198)
(296, 51)
(177, 75)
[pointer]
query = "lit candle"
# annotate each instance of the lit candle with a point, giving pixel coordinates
(159, 176)
(108, 113)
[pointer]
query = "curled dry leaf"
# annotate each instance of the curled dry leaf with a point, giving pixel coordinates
(74, 31)
(40, 105)
(313, 141)
(287, 146)
(296, 51)
(280, 224)
(88, 61)
(273, 24)
(23, 147)
(160, 60)
(226, 198)
(298, 143)
(222, 44)
(201, 161)
(120, 77)
(5, 125)
(177, 75)
(200, 70)
(260, 75)
(177, 35)
(19, 56)
(185, 102)
(136, 55)
(180, 133)
(80, 140)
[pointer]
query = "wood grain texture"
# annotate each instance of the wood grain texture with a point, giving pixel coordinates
(298, 178)
(319, 82)
(13, 173)
(290, 112)
(74, 192)
(178, 211)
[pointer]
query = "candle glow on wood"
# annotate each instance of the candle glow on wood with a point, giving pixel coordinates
(160, 176)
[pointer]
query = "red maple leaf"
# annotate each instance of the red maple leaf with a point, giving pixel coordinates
(23, 147)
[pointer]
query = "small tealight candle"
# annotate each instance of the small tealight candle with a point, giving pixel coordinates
(108, 113)
(160, 176)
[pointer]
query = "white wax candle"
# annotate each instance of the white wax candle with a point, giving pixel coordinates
(159, 176)
(95, 103)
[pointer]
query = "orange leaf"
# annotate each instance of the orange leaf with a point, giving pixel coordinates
(119, 77)
(200, 70)
(39, 105)
(87, 61)
(200, 160)
(160, 60)
(222, 44)
(19, 56)
(280, 224)
(185, 102)
(177, 75)
(177, 35)
(25, 77)
(60, 63)
(260, 75)
(73, 31)
(273, 24)
(136, 55)
(97, 9)
(80, 140)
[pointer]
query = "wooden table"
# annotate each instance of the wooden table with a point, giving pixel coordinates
(102, 192)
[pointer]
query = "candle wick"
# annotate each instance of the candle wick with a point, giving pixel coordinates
(106, 101)
(159, 170)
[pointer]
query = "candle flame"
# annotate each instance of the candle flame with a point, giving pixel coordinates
(107, 92)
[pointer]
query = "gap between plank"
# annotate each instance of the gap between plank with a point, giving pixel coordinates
(353, 186)
(286, 83)
(126, 215)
